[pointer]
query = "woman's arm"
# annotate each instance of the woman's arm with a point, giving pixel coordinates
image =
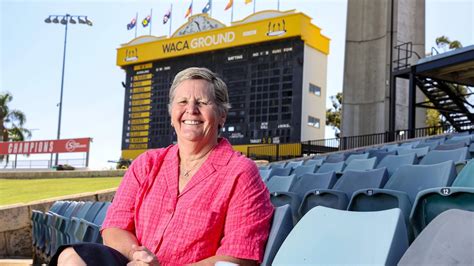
(121, 240)
(211, 261)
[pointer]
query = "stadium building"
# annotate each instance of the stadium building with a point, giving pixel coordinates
(274, 63)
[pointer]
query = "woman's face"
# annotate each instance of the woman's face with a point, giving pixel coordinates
(194, 115)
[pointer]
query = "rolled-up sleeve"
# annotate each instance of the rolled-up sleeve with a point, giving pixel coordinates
(121, 213)
(248, 218)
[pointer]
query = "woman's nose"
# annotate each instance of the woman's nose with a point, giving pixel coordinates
(192, 107)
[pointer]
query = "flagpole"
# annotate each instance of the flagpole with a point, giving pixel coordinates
(192, 3)
(210, 11)
(171, 18)
(278, 5)
(151, 18)
(232, 14)
(254, 3)
(136, 26)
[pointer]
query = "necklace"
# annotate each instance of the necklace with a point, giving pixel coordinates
(199, 161)
(186, 172)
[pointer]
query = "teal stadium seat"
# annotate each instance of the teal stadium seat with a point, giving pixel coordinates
(299, 189)
(326, 236)
(92, 229)
(338, 197)
(402, 188)
(447, 240)
(432, 202)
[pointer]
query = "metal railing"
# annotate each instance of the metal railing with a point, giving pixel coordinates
(278, 152)
(41, 164)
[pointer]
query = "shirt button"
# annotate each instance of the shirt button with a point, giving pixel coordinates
(170, 211)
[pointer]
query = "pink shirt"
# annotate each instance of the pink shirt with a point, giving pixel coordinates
(225, 208)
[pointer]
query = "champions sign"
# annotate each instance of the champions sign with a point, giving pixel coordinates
(45, 146)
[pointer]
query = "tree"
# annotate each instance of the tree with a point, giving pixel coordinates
(334, 114)
(444, 41)
(11, 123)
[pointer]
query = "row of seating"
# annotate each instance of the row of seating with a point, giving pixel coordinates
(414, 207)
(361, 162)
(373, 189)
(328, 236)
(66, 222)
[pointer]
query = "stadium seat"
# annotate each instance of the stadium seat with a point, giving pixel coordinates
(317, 162)
(59, 236)
(393, 162)
(92, 229)
(411, 144)
(451, 146)
(279, 172)
(380, 154)
(420, 152)
(465, 178)
(458, 156)
(74, 224)
(356, 156)
(338, 197)
(304, 169)
(326, 236)
(294, 164)
(456, 139)
(447, 240)
(402, 188)
(431, 145)
(281, 226)
(79, 227)
(277, 165)
(280, 183)
(390, 147)
(361, 164)
(299, 189)
(335, 158)
(331, 167)
(432, 202)
(265, 173)
(49, 226)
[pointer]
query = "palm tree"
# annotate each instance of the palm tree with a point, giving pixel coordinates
(11, 123)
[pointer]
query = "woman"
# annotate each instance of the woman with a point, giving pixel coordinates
(195, 202)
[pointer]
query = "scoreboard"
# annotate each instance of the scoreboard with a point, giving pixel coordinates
(263, 73)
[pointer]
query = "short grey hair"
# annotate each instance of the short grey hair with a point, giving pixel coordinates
(218, 88)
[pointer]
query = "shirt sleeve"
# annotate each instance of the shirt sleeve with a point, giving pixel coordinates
(248, 219)
(121, 213)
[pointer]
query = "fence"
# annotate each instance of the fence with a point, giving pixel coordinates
(277, 152)
(42, 164)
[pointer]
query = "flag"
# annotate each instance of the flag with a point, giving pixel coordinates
(189, 11)
(167, 16)
(146, 21)
(248, 1)
(132, 24)
(229, 5)
(207, 7)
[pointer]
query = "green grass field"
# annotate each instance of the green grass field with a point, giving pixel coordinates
(14, 191)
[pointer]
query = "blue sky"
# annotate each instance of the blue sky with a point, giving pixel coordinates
(31, 56)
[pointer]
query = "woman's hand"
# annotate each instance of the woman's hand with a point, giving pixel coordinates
(142, 256)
